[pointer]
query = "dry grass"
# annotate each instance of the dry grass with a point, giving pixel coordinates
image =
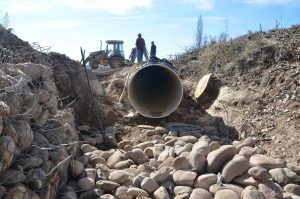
(240, 55)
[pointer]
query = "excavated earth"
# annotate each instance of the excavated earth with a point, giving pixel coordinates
(245, 145)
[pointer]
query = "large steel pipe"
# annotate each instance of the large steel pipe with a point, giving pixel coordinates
(155, 90)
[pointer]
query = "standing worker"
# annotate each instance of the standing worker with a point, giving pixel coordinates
(153, 50)
(140, 47)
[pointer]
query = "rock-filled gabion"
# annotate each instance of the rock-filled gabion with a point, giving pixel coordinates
(36, 138)
(181, 167)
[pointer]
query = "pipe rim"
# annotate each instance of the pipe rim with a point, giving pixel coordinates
(165, 113)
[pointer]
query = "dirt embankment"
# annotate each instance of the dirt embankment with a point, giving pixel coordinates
(261, 92)
(68, 75)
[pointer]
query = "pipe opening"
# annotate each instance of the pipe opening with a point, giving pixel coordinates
(155, 91)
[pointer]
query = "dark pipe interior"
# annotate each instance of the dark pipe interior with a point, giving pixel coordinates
(155, 90)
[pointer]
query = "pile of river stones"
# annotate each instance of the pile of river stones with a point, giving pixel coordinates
(181, 167)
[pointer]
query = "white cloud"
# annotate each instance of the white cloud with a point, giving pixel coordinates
(21, 6)
(50, 24)
(269, 2)
(62, 24)
(202, 4)
(114, 6)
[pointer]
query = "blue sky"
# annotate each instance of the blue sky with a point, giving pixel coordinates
(65, 25)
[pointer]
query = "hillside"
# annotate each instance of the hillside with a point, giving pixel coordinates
(260, 73)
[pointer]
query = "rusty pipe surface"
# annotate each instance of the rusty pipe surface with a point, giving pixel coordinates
(155, 90)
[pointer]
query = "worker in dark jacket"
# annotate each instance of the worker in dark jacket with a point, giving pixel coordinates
(153, 50)
(140, 47)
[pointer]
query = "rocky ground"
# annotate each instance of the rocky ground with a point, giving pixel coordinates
(244, 146)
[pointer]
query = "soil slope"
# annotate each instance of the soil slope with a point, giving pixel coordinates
(260, 96)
